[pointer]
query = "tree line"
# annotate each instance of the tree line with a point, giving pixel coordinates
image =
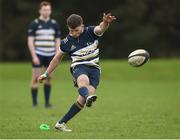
(150, 24)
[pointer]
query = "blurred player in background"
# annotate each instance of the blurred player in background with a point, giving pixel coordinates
(82, 45)
(43, 43)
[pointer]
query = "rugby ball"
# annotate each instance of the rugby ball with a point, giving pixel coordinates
(138, 57)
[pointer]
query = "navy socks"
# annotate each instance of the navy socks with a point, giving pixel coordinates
(47, 91)
(75, 108)
(34, 92)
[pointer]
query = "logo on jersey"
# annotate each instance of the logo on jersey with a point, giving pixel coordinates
(84, 53)
(30, 30)
(40, 26)
(73, 47)
(65, 40)
(89, 43)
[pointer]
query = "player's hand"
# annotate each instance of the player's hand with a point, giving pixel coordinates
(108, 18)
(36, 60)
(42, 77)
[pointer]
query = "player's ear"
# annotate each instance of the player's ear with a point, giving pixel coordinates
(82, 27)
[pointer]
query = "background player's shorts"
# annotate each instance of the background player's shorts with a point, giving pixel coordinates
(44, 61)
(92, 72)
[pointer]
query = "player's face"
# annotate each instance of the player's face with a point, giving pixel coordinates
(77, 31)
(45, 11)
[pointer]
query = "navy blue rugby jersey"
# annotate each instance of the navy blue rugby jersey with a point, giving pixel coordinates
(84, 49)
(45, 34)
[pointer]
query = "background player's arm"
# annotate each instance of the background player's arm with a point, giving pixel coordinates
(53, 64)
(57, 37)
(31, 47)
(103, 26)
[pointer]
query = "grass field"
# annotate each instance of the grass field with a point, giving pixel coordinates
(132, 102)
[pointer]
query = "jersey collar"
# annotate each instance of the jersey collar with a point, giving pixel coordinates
(40, 19)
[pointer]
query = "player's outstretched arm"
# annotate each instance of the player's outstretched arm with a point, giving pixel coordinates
(103, 26)
(58, 43)
(53, 64)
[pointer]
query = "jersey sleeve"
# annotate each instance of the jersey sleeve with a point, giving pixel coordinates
(92, 33)
(57, 31)
(65, 47)
(32, 29)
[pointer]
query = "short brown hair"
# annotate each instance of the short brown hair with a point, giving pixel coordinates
(74, 21)
(44, 3)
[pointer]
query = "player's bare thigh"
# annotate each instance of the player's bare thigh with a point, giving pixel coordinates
(82, 81)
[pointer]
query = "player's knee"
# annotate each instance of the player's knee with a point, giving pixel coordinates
(82, 84)
(34, 84)
(83, 81)
(34, 80)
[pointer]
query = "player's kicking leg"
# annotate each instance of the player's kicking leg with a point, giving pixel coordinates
(74, 109)
(86, 96)
(84, 88)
